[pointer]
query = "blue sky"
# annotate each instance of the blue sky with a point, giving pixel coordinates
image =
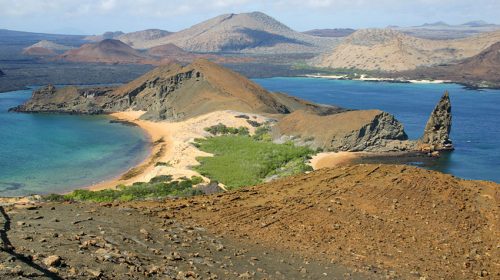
(97, 16)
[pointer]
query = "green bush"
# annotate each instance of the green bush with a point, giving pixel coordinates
(221, 129)
(158, 187)
(241, 161)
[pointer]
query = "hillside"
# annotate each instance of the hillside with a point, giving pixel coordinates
(139, 38)
(480, 70)
(106, 51)
(346, 131)
(336, 32)
(45, 48)
(390, 50)
(370, 221)
(199, 88)
(104, 36)
(248, 32)
(174, 92)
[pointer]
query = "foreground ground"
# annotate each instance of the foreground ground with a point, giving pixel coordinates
(360, 221)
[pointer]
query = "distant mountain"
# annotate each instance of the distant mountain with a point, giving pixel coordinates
(24, 39)
(167, 50)
(477, 23)
(106, 35)
(106, 51)
(249, 32)
(391, 50)
(336, 32)
(441, 30)
(139, 38)
(438, 23)
(45, 48)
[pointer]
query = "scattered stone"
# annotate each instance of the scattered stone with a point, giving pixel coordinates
(53, 260)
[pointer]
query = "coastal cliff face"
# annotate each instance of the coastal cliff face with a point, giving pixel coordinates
(437, 131)
(174, 93)
(371, 130)
(70, 100)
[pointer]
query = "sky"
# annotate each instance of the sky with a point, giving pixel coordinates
(98, 16)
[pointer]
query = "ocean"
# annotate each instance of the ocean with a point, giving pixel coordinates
(50, 153)
(476, 117)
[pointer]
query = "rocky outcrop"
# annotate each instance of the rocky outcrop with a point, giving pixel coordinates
(370, 130)
(437, 131)
(365, 130)
(174, 93)
(70, 100)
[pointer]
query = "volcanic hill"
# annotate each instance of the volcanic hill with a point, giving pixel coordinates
(45, 48)
(391, 50)
(105, 51)
(247, 32)
(140, 38)
(481, 70)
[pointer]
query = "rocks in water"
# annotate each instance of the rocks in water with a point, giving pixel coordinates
(1, 73)
(437, 131)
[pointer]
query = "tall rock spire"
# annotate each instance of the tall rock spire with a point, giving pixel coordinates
(437, 131)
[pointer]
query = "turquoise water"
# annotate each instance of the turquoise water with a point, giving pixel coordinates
(476, 115)
(46, 153)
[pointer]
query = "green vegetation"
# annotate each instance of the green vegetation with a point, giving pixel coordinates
(222, 129)
(161, 163)
(242, 161)
(350, 73)
(158, 187)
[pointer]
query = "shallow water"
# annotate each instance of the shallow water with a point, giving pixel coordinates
(45, 153)
(476, 117)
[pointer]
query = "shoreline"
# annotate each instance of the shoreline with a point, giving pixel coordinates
(363, 78)
(334, 159)
(172, 152)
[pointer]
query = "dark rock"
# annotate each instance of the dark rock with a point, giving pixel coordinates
(1, 73)
(437, 131)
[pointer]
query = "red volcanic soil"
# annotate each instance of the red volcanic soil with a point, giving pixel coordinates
(106, 51)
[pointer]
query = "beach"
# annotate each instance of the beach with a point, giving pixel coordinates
(172, 152)
(374, 79)
(333, 159)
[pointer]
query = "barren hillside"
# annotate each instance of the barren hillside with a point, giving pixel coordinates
(248, 32)
(390, 50)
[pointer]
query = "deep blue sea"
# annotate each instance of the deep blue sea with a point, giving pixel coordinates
(47, 153)
(476, 115)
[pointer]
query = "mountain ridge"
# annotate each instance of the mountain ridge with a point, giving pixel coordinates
(246, 32)
(391, 50)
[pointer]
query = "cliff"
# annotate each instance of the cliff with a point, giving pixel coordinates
(173, 92)
(437, 131)
(367, 130)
